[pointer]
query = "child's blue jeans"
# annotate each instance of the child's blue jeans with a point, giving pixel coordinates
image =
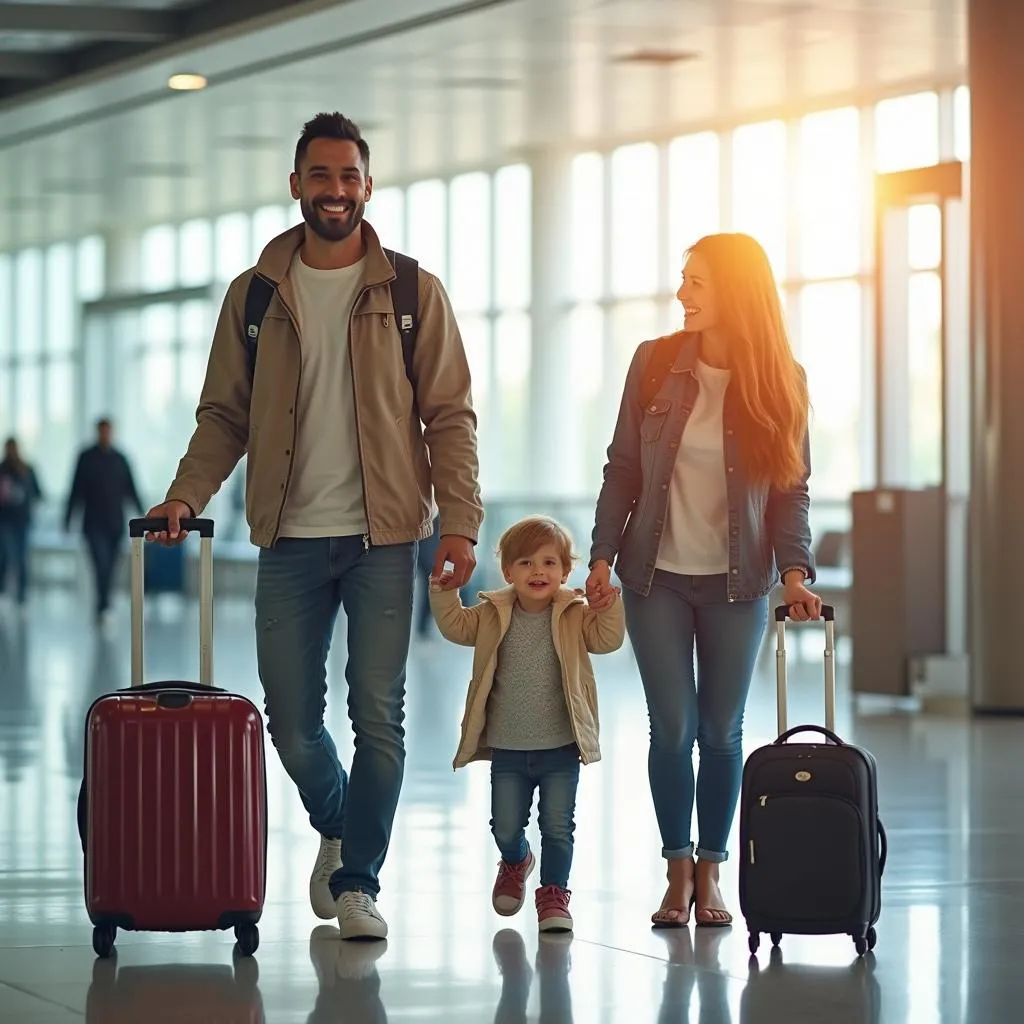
(515, 774)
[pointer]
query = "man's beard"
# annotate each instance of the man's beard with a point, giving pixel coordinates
(336, 229)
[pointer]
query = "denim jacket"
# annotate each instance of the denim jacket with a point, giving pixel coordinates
(767, 525)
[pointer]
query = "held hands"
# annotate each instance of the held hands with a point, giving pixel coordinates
(803, 604)
(458, 551)
(600, 592)
(442, 582)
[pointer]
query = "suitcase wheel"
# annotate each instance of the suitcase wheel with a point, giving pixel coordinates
(872, 937)
(103, 936)
(776, 939)
(248, 938)
(860, 944)
(754, 941)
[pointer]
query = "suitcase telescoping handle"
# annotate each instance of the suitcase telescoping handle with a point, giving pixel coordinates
(828, 613)
(137, 530)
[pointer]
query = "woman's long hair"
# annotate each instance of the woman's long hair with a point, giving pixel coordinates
(772, 389)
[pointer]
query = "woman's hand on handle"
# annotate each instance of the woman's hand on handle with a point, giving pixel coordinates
(803, 604)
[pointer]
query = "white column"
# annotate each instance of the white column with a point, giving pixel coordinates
(550, 431)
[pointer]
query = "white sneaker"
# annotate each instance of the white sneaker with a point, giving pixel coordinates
(359, 918)
(328, 861)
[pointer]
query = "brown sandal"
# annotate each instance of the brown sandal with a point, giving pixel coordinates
(714, 922)
(658, 920)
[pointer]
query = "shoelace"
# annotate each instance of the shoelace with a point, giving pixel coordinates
(509, 874)
(358, 903)
(550, 898)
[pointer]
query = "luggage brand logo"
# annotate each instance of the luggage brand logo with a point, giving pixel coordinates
(803, 776)
(253, 330)
(406, 322)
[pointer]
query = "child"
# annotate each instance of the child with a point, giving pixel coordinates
(532, 704)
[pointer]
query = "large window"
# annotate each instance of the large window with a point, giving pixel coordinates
(759, 188)
(694, 199)
(907, 132)
(40, 290)
(799, 186)
(828, 194)
(636, 267)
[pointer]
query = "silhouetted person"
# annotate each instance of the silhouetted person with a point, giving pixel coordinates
(102, 484)
(19, 492)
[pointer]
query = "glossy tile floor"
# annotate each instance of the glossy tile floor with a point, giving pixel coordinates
(950, 938)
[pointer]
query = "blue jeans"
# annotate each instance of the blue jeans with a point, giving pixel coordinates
(515, 774)
(14, 556)
(300, 585)
(104, 551)
(680, 613)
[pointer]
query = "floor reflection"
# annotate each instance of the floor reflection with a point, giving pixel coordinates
(165, 993)
(950, 934)
(838, 995)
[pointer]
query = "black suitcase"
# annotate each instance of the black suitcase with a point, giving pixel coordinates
(812, 846)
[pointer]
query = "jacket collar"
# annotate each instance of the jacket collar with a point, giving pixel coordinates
(276, 258)
(689, 350)
(505, 598)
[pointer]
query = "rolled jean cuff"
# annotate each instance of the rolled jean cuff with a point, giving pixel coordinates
(684, 854)
(711, 856)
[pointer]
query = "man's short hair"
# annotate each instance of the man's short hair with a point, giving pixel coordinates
(332, 126)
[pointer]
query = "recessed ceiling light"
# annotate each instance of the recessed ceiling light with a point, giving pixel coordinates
(186, 82)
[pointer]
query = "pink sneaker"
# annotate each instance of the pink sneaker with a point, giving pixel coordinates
(553, 909)
(509, 891)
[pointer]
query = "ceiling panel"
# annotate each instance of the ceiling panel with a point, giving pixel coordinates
(438, 86)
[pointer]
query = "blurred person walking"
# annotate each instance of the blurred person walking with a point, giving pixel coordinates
(19, 493)
(101, 487)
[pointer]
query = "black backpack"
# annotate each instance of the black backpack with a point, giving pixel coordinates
(404, 297)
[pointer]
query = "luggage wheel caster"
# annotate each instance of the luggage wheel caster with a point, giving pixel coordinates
(860, 944)
(872, 937)
(753, 942)
(103, 936)
(248, 938)
(776, 939)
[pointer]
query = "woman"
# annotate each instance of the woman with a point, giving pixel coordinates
(704, 499)
(19, 491)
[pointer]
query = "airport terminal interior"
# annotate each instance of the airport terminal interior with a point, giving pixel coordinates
(550, 161)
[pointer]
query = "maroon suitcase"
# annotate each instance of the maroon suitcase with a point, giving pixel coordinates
(173, 813)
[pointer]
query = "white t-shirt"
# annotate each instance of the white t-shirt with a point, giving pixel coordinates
(325, 496)
(696, 537)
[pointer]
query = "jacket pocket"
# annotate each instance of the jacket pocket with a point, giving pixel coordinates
(655, 416)
(805, 859)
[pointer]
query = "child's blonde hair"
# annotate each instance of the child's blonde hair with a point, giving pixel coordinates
(531, 534)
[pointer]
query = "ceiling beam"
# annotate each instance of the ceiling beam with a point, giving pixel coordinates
(106, 22)
(30, 66)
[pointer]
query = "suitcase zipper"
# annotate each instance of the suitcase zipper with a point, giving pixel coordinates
(764, 800)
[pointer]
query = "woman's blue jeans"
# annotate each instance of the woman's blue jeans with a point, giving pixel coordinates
(679, 615)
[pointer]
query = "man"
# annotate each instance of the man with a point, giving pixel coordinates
(102, 484)
(339, 479)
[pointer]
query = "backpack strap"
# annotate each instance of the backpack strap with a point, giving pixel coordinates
(257, 299)
(666, 351)
(405, 298)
